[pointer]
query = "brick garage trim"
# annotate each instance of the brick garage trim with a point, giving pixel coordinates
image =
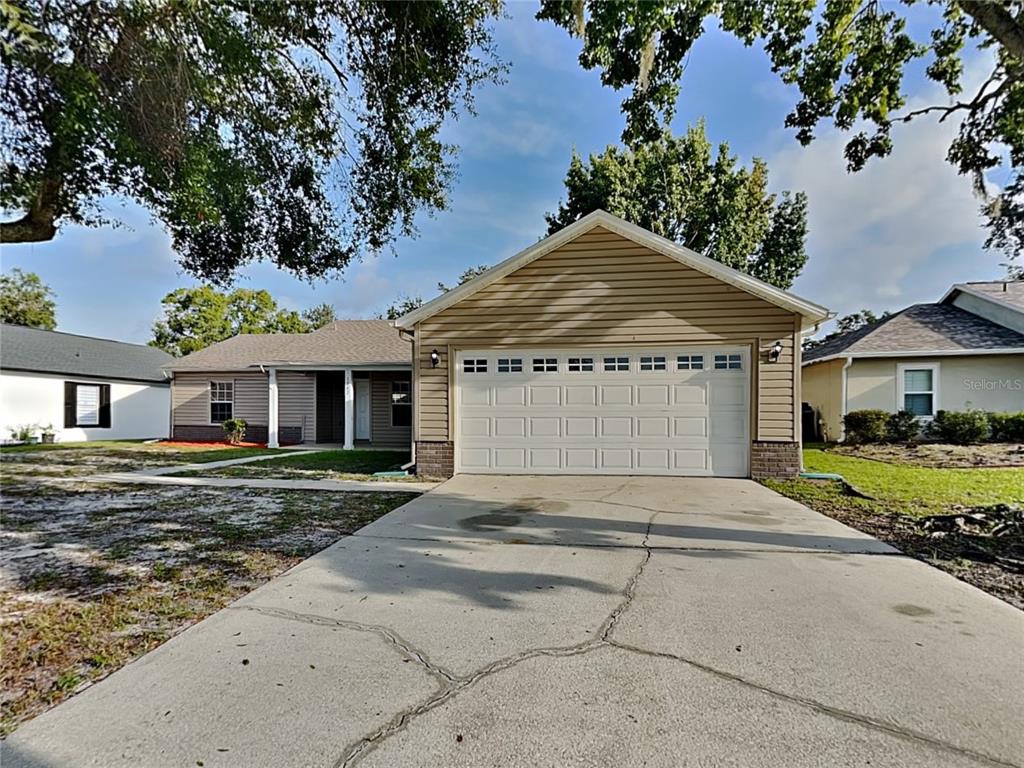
(435, 458)
(779, 461)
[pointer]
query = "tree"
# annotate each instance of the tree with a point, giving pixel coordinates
(847, 61)
(847, 324)
(26, 300)
(319, 316)
(680, 188)
(406, 304)
(300, 133)
(195, 318)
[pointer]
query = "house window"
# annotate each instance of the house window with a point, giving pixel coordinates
(581, 364)
(474, 366)
(918, 389)
(690, 363)
(616, 363)
(401, 404)
(545, 364)
(86, 405)
(510, 365)
(728, 362)
(652, 363)
(222, 399)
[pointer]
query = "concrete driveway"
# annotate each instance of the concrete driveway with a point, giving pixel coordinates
(533, 621)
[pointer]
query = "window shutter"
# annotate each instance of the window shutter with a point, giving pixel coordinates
(105, 405)
(69, 404)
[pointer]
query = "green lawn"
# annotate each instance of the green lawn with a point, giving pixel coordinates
(341, 465)
(149, 452)
(919, 490)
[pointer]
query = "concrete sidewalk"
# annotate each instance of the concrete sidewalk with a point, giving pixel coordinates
(534, 621)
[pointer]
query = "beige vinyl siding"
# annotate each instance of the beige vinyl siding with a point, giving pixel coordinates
(823, 389)
(191, 397)
(296, 397)
(602, 289)
(382, 433)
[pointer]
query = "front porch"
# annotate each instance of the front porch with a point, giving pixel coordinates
(345, 408)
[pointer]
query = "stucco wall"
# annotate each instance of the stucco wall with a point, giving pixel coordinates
(823, 389)
(137, 410)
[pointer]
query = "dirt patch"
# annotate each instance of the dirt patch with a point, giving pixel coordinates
(93, 576)
(939, 455)
(210, 444)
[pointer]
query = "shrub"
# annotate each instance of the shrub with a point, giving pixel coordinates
(234, 430)
(866, 426)
(959, 427)
(1007, 427)
(902, 427)
(24, 433)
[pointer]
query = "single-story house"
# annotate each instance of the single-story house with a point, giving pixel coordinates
(964, 352)
(606, 349)
(84, 388)
(348, 383)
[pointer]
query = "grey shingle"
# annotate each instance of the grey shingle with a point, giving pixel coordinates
(344, 342)
(922, 328)
(32, 349)
(1009, 291)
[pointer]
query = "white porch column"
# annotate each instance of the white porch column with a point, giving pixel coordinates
(350, 410)
(272, 409)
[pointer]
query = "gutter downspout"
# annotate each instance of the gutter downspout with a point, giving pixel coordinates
(410, 337)
(843, 396)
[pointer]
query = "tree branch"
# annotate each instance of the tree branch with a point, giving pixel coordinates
(998, 22)
(38, 224)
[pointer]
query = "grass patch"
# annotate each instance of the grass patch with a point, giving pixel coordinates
(322, 465)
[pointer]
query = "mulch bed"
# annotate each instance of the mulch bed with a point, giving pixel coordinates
(938, 455)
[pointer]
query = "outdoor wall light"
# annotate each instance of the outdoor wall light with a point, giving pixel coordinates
(775, 352)
(435, 358)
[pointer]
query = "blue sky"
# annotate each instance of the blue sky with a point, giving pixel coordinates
(897, 233)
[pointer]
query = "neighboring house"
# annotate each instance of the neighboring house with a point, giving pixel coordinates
(85, 388)
(347, 383)
(606, 349)
(964, 352)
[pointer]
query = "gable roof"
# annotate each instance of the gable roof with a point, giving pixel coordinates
(1009, 293)
(38, 351)
(343, 342)
(812, 313)
(921, 329)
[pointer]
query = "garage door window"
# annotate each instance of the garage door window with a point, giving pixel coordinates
(728, 362)
(474, 366)
(545, 365)
(510, 365)
(652, 363)
(616, 363)
(690, 363)
(581, 364)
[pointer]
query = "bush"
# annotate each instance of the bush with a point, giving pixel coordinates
(959, 427)
(866, 426)
(1007, 427)
(902, 427)
(234, 429)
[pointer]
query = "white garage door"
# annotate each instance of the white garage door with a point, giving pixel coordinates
(651, 411)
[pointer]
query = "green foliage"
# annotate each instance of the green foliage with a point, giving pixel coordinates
(847, 61)
(902, 427)
(866, 426)
(959, 427)
(1006, 427)
(297, 133)
(319, 316)
(848, 324)
(195, 318)
(465, 277)
(23, 433)
(26, 300)
(234, 430)
(685, 190)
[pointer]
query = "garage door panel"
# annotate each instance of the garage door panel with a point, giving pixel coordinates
(618, 421)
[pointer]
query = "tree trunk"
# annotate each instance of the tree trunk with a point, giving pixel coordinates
(998, 22)
(38, 224)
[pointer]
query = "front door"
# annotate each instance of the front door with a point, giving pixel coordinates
(362, 409)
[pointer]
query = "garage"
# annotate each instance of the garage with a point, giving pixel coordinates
(617, 410)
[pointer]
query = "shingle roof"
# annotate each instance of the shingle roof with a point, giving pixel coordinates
(1007, 291)
(921, 328)
(343, 342)
(32, 349)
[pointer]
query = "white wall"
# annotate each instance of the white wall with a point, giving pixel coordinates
(136, 410)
